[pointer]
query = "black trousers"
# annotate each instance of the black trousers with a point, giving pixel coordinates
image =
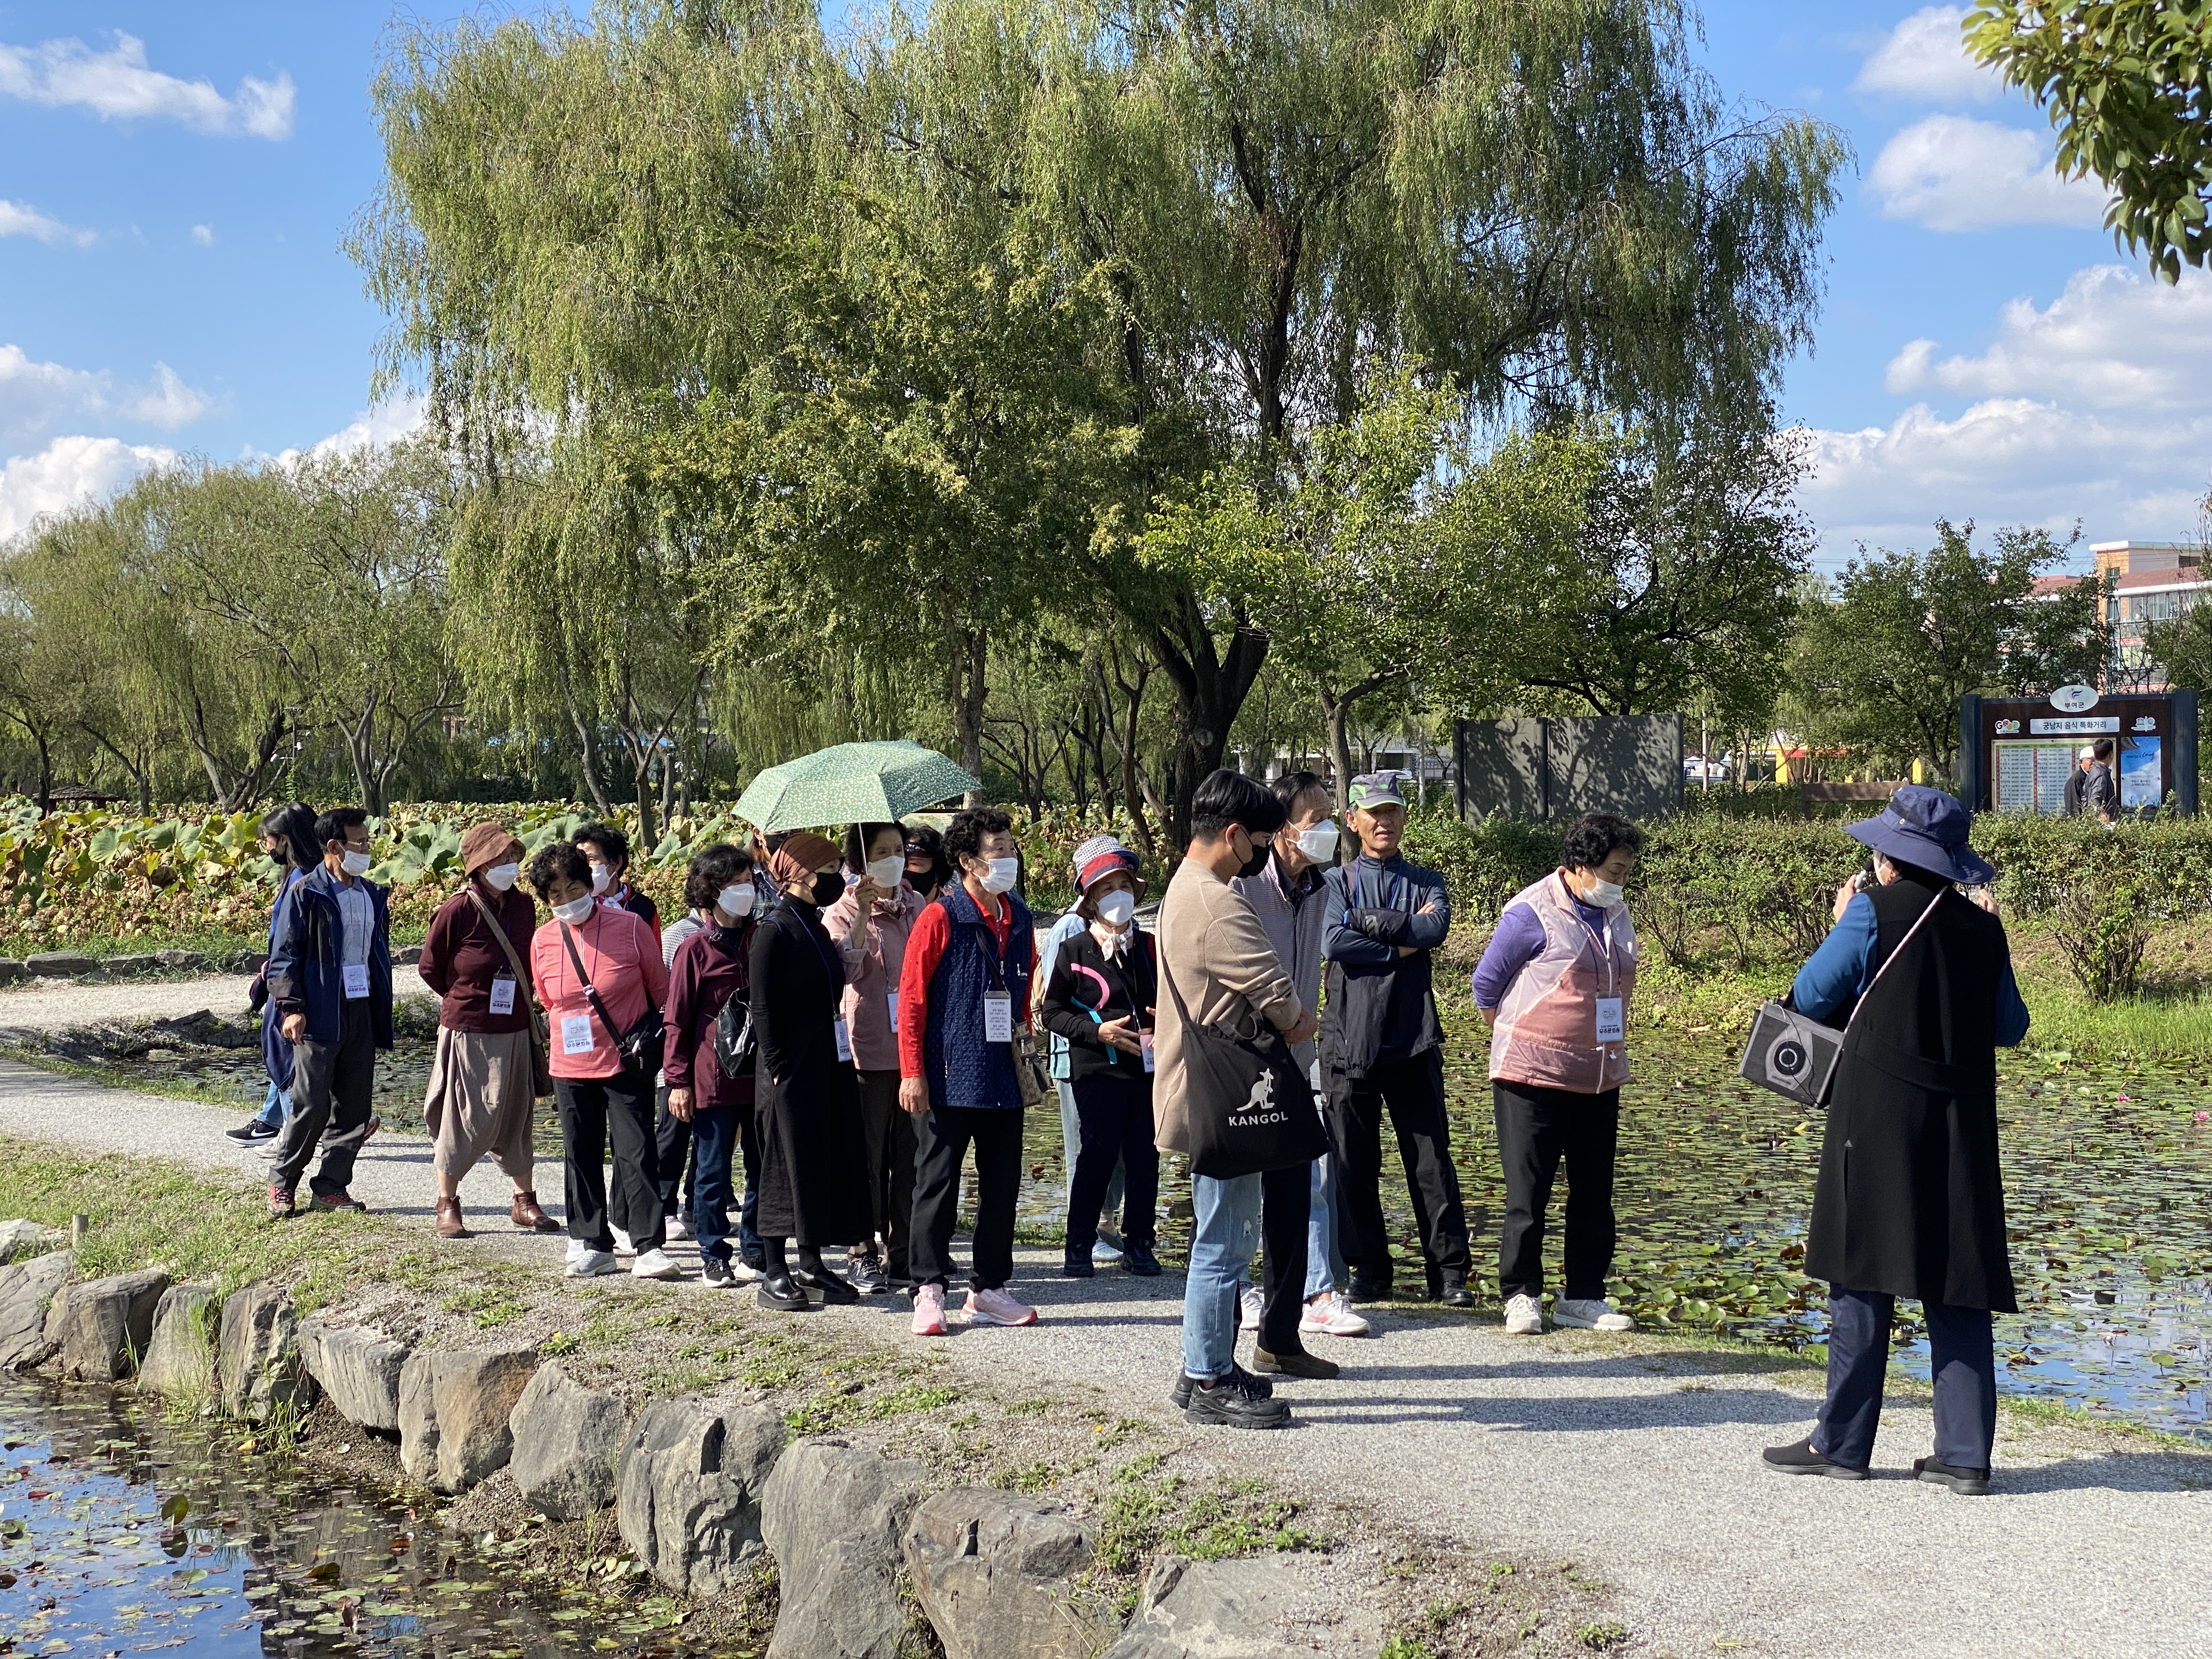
(332, 1085)
(1536, 1129)
(1116, 1116)
(679, 1170)
(1410, 1093)
(1963, 1363)
(595, 1111)
(889, 1134)
(942, 1136)
(1285, 1205)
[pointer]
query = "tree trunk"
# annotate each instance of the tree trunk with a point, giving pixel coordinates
(970, 687)
(1210, 688)
(589, 761)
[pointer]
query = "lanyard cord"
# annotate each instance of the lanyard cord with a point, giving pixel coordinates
(1603, 941)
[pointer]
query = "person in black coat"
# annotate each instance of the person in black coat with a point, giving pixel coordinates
(813, 1177)
(1101, 998)
(1910, 1200)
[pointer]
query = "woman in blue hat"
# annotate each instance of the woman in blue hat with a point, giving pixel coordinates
(1909, 1200)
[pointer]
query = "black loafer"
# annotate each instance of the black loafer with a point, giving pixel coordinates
(827, 1285)
(1139, 1259)
(1369, 1289)
(1967, 1483)
(1801, 1459)
(781, 1292)
(1075, 1266)
(1304, 1364)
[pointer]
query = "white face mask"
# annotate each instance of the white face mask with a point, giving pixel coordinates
(1002, 874)
(1116, 908)
(1603, 894)
(575, 910)
(356, 864)
(501, 876)
(1318, 843)
(887, 873)
(737, 901)
(603, 877)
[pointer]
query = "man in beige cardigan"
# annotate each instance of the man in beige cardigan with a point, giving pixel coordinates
(1225, 971)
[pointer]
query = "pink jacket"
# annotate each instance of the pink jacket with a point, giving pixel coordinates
(621, 953)
(873, 955)
(1545, 1032)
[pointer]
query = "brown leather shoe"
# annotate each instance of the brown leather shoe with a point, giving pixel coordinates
(450, 1224)
(527, 1216)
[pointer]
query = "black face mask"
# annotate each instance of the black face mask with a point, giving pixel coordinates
(1253, 866)
(829, 888)
(278, 862)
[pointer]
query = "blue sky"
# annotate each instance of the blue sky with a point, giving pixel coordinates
(175, 181)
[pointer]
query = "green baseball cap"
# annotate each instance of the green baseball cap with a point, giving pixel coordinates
(1374, 789)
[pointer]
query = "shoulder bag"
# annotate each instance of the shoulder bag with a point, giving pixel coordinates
(640, 1046)
(541, 1073)
(1250, 1106)
(737, 1045)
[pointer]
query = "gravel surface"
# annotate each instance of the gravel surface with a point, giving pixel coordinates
(1636, 1459)
(56, 1004)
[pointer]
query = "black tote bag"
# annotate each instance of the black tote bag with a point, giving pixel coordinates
(1251, 1107)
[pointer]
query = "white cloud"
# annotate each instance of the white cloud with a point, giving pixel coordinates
(35, 394)
(21, 219)
(2114, 340)
(1951, 173)
(204, 234)
(120, 85)
(67, 471)
(1924, 59)
(385, 424)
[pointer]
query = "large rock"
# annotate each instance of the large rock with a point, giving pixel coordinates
(24, 1289)
(60, 964)
(258, 1355)
(129, 967)
(992, 1571)
(1217, 1610)
(568, 1445)
(180, 1359)
(358, 1368)
(97, 1330)
(833, 1515)
(13, 972)
(690, 1487)
(454, 1410)
(22, 1240)
(173, 959)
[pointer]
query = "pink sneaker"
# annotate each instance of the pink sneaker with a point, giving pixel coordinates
(929, 1311)
(998, 1308)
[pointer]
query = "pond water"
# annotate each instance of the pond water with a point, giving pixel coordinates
(121, 1533)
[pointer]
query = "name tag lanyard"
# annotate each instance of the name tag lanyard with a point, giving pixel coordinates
(1603, 942)
(839, 1029)
(999, 1001)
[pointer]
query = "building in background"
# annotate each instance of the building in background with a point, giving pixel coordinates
(2151, 582)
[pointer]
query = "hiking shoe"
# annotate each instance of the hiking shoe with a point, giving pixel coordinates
(1248, 1304)
(679, 1229)
(654, 1264)
(1524, 1317)
(929, 1311)
(280, 1199)
(339, 1198)
(1967, 1483)
(1800, 1458)
(624, 1244)
(251, 1132)
(1179, 1396)
(1075, 1264)
(1330, 1315)
(1590, 1314)
(866, 1274)
(999, 1307)
(589, 1263)
(714, 1274)
(1228, 1404)
(1301, 1363)
(1139, 1259)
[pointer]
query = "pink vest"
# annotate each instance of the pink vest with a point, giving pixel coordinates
(1545, 1032)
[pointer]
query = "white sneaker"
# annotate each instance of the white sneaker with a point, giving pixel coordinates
(1104, 1254)
(577, 1249)
(743, 1271)
(654, 1264)
(1590, 1314)
(623, 1245)
(679, 1229)
(1247, 1308)
(590, 1264)
(1329, 1315)
(1524, 1317)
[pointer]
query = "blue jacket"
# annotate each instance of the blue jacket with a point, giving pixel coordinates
(1382, 1007)
(305, 959)
(962, 1069)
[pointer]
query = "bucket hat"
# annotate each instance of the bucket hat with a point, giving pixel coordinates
(1926, 829)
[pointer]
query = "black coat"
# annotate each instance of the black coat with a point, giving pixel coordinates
(813, 1174)
(1910, 1200)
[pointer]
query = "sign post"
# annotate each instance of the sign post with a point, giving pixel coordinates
(2017, 752)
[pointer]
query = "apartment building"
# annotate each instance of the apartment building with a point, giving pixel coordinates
(2152, 581)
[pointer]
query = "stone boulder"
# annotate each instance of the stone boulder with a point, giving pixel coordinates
(258, 1355)
(833, 1515)
(180, 1359)
(569, 1444)
(406, 955)
(97, 1330)
(13, 972)
(454, 1410)
(60, 964)
(1217, 1610)
(358, 1368)
(175, 959)
(25, 1290)
(129, 966)
(689, 1489)
(22, 1240)
(993, 1572)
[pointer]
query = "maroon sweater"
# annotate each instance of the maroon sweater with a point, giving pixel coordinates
(460, 956)
(705, 975)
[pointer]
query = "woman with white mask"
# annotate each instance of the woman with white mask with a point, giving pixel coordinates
(870, 922)
(1101, 1000)
(482, 1090)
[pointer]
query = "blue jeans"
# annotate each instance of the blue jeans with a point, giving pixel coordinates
(275, 1108)
(714, 1144)
(1325, 1268)
(1071, 1143)
(1224, 1233)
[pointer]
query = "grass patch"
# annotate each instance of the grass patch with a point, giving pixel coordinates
(1148, 1508)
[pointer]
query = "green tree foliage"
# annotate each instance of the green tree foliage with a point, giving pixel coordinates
(2182, 649)
(2128, 87)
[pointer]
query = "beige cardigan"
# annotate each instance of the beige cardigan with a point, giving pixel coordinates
(1211, 942)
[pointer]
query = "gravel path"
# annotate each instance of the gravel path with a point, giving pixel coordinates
(56, 1004)
(1636, 1459)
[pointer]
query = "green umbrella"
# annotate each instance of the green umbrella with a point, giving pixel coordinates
(852, 783)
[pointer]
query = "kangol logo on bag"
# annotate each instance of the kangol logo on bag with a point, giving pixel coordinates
(1259, 1107)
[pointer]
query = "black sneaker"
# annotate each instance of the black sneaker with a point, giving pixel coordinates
(252, 1133)
(1139, 1259)
(1967, 1483)
(717, 1274)
(1801, 1459)
(1365, 1288)
(1455, 1294)
(866, 1274)
(1233, 1403)
(1075, 1264)
(1179, 1396)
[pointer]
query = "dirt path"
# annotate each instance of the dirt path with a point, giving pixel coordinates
(1636, 1459)
(56, 1004)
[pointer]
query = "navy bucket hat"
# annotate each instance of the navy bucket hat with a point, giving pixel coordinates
(1926, 829)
